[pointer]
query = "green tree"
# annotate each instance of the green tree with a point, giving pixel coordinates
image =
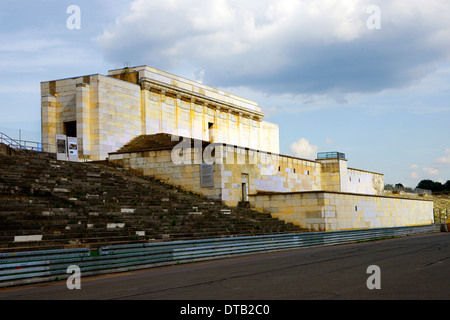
(431, 185)
(447, 185)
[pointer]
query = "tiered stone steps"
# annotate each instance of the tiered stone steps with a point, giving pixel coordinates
(155, 142)
(76, 204)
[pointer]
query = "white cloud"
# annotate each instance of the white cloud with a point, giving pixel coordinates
(329, 141)
(414, 175)
(285, 46)
(444, 161)
(431, 171)
(303, 149)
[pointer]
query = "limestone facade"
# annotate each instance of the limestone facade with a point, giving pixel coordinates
(328, 211)
(105, 112)
(263, 172)
(320, 195)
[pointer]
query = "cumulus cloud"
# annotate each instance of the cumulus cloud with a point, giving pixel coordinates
(431, 171)
(285, 46)
(414, 175)
(444, 161)
(303, 149)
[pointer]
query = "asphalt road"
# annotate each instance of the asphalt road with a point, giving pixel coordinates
(415, 267)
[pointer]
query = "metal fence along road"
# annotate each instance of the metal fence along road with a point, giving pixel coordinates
(49, 265)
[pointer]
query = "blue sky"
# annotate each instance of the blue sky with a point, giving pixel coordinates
(367, 78)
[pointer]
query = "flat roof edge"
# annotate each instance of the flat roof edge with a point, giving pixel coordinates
(269, 193)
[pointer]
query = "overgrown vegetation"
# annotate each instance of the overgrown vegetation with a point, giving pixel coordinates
(435, 187)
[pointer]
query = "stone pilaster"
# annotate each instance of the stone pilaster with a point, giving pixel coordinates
(145, 107)
(83, 114)
(49, 122)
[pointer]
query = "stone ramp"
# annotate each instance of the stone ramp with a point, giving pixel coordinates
(46, 203)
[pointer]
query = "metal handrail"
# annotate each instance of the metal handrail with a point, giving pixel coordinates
(17, 144)
(9, 141)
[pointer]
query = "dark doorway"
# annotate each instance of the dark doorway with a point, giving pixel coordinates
(70, 128)
(210, 131)
(244, 179)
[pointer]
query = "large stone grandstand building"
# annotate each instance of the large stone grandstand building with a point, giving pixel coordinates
(216, 144)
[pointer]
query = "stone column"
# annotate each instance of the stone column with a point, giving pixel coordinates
(83, 117)
(217, 124)
(145, 108)
(49, 122)
(192, 117)
(238, 129)
(228, 120)
(162, 98)
(178, 122)
(205, 131)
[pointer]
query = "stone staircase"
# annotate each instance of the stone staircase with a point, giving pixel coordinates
(146, 142)
(65, 204)
(154, 142)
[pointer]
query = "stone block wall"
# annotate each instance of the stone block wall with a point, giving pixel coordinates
(118, 115)
(106, 111)
(364, 182)
(111, 110)
(327, 211)
(266, 173)
(336, 176)
(159, 164)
